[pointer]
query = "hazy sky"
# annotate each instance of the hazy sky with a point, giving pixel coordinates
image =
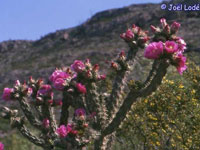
(31, 19)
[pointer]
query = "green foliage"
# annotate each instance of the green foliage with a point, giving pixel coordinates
(169, 119)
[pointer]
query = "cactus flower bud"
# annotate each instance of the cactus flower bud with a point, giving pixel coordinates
(81, 88)
(96, 68)
(128, 36)
(163, 22)
(85, 125)
(175, 27)
(45, 90)
(31, 80)
(181, 44)
(167, 29)
(180, 61)
(102, 77)
(46, 123)
(50, 102)
(80, 112)
(155, 29)
(7, 93)
(122, 53)
(114, 65)
(17, 83)
(58, 102)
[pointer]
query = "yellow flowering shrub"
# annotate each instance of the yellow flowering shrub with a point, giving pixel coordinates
(169, 119)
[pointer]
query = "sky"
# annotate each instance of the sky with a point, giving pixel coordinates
(31, 19)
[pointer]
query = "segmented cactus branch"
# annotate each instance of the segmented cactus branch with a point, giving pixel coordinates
(64, 110)
(120, 83)
(94, 97)
(47, 112)
(17, 122)
(28, 112)
(133, 95)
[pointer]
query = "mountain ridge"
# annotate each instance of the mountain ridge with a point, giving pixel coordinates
(97, 39)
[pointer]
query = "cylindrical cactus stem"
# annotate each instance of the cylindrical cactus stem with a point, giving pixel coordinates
(120, 83)
(18, 123)
(152, 73)
(48, 113)
(133, 95)
(28, 113)
(93, 102)
(104, 142)
(65, 106)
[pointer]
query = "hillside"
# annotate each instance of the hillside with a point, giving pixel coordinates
(97, 39)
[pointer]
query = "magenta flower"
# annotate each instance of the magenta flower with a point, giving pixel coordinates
(81, 88)
(80, 112)
(1, 146)
(58, 74)
(171, 47)
(154, 50)
(45, 90)
(46, 123)
(78, 66)
(180, 61)
(7, 93)
(59, 84)
(62, 131)
(175, 26)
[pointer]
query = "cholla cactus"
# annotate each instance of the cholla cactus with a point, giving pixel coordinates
(97, 113)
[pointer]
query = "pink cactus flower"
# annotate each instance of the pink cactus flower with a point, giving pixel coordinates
(80, 112)
(62, 131)
(154, 50)
(58, 74)
(7, 93)
(81, 88)
(45, 90)
(59, 84)
(46, 123)
(78, 66)
(1, 146)
(175, 26)
(171, 47)
(180, 61)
